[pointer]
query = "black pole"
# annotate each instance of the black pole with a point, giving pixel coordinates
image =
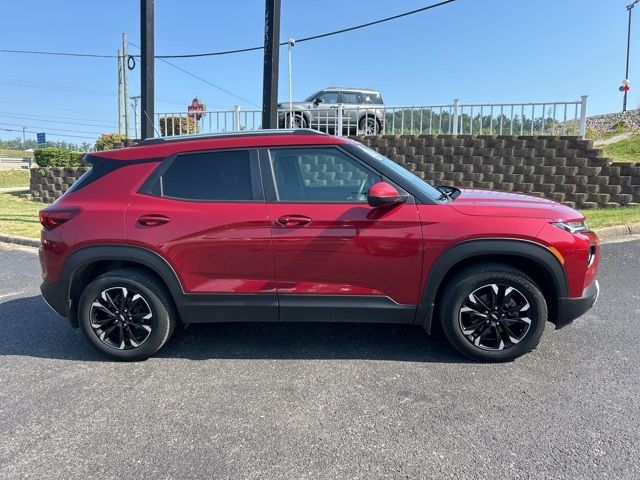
(271, 63)
(147, 76)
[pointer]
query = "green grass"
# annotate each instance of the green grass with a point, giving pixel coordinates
(15, 153)
(627, 150)
(19, 216)
(14, 178)
(608, 217)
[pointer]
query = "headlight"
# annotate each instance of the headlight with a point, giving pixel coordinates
(572, 227)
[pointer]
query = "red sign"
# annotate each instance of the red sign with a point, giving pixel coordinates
(196, 109)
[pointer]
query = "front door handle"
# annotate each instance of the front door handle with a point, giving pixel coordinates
(293, 220)
(152, 220)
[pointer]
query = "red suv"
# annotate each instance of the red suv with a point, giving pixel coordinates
(303, 226)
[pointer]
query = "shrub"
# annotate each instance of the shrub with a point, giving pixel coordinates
(106, 140)
(178, 126)
(57, 157)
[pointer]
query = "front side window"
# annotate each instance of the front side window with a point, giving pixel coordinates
(329, 97)
(209, 176)
(317, 175)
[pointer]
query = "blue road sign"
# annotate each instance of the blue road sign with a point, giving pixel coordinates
(42, 139)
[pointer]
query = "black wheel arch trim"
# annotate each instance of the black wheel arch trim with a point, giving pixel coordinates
(476, 248)
(116, 252)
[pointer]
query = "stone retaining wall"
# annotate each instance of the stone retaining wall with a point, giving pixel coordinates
(55, 181)
(565, 169)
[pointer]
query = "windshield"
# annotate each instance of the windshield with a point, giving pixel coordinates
(414, 180)
(311, 98)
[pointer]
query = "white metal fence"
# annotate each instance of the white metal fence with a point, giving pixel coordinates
(539, 118)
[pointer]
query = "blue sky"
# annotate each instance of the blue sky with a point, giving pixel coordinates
(475, 50)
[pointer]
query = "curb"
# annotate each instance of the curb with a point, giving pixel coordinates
(18, 240)
(608, 233)
(605, 233)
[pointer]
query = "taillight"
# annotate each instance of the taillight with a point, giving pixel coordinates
(51, 218)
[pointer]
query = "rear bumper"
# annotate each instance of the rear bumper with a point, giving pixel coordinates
(56, 295)
(571, 308)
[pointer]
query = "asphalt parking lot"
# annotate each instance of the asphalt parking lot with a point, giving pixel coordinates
(319, 401)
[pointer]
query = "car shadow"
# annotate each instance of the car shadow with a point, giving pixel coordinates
(29, 328)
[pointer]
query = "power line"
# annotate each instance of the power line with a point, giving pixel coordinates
(13, 117)
(49, 128)
(202, 79)
(249, 49)
(63, 54)
(50, 134)
(44, 118)
(314, 37)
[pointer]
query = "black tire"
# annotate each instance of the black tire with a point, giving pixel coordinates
(504, 332)
(298, 121)
(127, 313)
(369, 126)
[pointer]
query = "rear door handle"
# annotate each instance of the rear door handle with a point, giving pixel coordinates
(152, 220)
(293, 220)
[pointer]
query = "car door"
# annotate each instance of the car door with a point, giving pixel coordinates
(204, 213)
(336, 257)
(324, 113)
(351, 111)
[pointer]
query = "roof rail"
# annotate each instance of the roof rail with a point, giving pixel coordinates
(243, 133)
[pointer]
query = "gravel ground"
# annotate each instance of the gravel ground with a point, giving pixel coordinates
(319, 401)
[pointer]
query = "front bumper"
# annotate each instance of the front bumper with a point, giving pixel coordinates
(571, 308)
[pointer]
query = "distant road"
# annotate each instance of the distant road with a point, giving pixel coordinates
(8, 163)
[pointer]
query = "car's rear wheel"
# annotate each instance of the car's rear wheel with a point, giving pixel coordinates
(127, 314)
(369, 126)
(493, 312)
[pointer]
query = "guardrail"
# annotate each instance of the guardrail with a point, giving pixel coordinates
(539, 118)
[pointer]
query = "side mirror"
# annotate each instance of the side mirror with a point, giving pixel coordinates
(382, 194)
(317, 100)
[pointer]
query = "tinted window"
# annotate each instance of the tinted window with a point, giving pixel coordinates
(320, 175)
(329, 97)
(373, 98)
(350, 97)
(209, 176)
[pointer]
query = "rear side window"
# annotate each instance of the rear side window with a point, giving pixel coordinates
(99, 168)
(369, 97)
(208, 176)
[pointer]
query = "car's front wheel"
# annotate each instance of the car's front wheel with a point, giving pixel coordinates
(493, 312)
(369, 126)
(127, 314)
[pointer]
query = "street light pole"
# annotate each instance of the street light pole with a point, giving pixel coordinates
(626, 75)
(291, 43)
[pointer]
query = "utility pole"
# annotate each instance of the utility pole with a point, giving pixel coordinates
(119, 93)
(24, 139)
(626, 75)
(147, 69)
(125, 89)
(134, 104)
(271, 63)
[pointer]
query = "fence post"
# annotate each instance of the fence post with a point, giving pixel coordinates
(236, 118)
(583, 116)
(339, 120)
(456, 103)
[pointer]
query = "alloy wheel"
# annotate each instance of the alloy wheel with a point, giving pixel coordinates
(495, 317)
(121, 318)
(370, 127)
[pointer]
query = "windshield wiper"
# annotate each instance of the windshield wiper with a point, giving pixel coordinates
(448, 192)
